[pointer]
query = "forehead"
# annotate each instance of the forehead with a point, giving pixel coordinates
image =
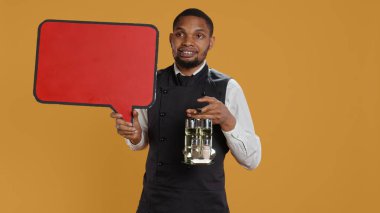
(192, 23)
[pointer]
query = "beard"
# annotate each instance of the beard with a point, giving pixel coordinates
(187, 64)
(191, 64)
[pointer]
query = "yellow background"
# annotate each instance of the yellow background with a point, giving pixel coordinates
(310, 71)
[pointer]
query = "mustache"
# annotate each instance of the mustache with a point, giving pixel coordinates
(183, 49)
(192, 49)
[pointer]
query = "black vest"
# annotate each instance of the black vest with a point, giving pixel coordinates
(169, 185)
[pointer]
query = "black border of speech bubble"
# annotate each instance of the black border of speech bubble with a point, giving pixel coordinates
(96, 105)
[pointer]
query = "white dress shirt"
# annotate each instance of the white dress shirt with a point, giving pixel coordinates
(242, 141)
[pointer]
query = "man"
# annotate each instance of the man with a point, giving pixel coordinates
(182, 89)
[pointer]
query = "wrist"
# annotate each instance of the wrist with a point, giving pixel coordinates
(228, 124)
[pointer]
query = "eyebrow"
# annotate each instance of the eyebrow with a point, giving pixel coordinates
(197, 30)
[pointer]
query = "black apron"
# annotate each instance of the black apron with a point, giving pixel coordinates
(169, 185)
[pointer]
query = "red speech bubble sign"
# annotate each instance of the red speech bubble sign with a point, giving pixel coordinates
(96, 64)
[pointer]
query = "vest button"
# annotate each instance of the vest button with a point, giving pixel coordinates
(162, 114)
(160, 164)
(164, 91)
(163, 139)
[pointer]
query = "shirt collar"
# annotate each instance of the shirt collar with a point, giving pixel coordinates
(176, 69)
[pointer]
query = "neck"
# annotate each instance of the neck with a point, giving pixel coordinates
(189, 71)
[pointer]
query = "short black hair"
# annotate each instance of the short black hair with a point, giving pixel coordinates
(198, 13)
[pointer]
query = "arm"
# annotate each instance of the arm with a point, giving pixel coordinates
(242, 140)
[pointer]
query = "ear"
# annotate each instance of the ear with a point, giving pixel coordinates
(170, 39)
(212, 40)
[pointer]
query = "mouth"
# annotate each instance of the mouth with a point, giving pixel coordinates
(187, 53)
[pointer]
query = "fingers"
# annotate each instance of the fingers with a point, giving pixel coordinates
(191, 112)
(121, 121)
(128, 135)
(124, 125)
(206, 116)
(209, 108)
(215, 110)
(127, 129)
(208, 99)
(116, 115)
(213, 115)
(213, 104)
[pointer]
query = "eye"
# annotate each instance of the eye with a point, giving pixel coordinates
(199, 36)
(179, 34)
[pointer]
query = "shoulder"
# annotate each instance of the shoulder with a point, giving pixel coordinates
(164, 73)
(218, 76)
(234, 93)
(231, 85)
(234, 85)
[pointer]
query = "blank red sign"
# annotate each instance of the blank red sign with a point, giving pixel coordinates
(96, 64)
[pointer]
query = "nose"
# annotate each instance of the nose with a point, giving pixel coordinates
(188, 41)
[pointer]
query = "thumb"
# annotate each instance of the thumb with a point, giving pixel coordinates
(135, 115)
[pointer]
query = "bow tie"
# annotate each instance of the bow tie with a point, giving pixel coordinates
(184, 80)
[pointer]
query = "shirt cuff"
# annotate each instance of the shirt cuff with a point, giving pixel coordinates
(234, 134)
(235, 139)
